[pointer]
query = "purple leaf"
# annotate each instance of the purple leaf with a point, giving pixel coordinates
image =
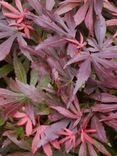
(50, 42)
(81, 13)
(89, 19)
(51, 132)
(83, 150)
(104, 108)
(30, 91)
(92, 150)
(82, 76)
(5, 47)
(100, 29)
(101, 148)
(100, 131)
(105, 97)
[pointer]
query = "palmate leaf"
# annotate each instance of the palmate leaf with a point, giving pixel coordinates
(51, 132)
(96, 57)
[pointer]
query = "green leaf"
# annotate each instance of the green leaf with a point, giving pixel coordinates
(44, 82)
(20, 132)
(5, 70)
(2, 121)
(34, 77)
(43, 109)
(19, 69)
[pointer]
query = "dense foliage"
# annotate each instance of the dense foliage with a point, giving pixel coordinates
(58, 77)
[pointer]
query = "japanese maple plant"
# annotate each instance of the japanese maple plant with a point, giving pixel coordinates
(58, 77)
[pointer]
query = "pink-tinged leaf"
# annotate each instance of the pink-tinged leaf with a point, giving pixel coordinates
(92, 151)
(104, 108)
(81, 13)
(51, 132)
(105, 97)
(100, 131)
(22, 121)
(19, 115)
(29, 109)
(101, 148)
(82, 76)
(112, 123)
(65, 112)
(47, 149)
(56, 144)
(107, 64)
(49, 24)
(25, 120)
(110, 117)
(22, 43)
(5, 34)
(83, 150)
(77, 58)
(29, 127)
(39, 132)
(98, 5)
(50, 42)
(35, 4)
(89, 19)
(27, 32)
(19, 5)
(87, 137)
(20, 143)
(30, 91)
(66, 8)
(110, 7)
(4, 102)
(11, 15)
(7, 93)
(50, 4)
(71, 50)
(100, 29)
(69, 139)
(70, 23)
(9, 7)
(112, 22)
(5, 47)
